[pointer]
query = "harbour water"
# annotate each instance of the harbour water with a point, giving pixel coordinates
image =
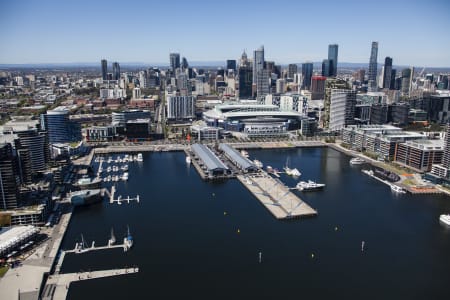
(202, 240)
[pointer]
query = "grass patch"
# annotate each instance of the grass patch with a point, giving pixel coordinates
(409, 182)
(3, 270)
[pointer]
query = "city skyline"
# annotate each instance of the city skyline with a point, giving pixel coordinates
(54, 32)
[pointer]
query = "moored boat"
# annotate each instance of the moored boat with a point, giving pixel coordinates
(445, 219)
(357, 161)
(309, 186)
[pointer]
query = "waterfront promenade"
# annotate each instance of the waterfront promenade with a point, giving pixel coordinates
(25, 281)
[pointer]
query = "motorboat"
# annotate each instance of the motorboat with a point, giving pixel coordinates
(291, 172)
(445, 219)
(309, 186)
(139, 157)
(125, 176)
(188, 159)
(258, 163)
(397, 189)
(357, 161)
(244, 153)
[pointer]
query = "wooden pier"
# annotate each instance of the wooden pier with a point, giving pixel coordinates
(57, 285)
(276, 197)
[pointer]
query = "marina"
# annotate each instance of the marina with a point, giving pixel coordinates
(212, 217)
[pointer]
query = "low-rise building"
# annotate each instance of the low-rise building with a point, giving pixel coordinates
(420, 155)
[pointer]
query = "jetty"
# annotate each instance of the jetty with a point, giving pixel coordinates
(276, 197)
(57, 285)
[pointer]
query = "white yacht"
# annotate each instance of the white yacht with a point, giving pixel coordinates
(291, 172)
(188, 160)
(125, 176)
(357, 161)
(445, 219)
(397, 189)
(124, 168)
(108, 169)
(309, 186)
(258, 163)
(139, 157)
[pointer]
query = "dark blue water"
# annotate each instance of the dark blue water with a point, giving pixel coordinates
(186, 247)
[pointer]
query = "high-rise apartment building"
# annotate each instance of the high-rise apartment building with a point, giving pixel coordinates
(116, 71)
(180, 107)
(307, 71)
(104, 69)
(262, 83)
(9, 178)
(446, 158)
(258, 62)
(373, 66)
(333, 59)
(58, 126)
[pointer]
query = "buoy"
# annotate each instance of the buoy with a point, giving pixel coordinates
(238, 231)
(312, 255)
(224, 213)
(335, 228)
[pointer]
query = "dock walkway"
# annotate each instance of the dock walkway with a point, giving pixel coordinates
(57, 286)
(276, 197)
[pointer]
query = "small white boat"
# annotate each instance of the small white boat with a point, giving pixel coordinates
(124, 167)
(188, 159)
(139, 157)
(112, 240)
(258, 163)
(244, 153)
(368, 172)
(397, 189)
(357, 161)
(445, 219)
(125, 176)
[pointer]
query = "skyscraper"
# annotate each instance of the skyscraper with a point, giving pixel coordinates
(326, 67)
(184, 63)
(116, 71)
(373, 67)
(262, 83)
(231, 64)
(387, 72)
(104, 69)
(446, 158)
(407, 75)
(174, 61)
(292, 69)
(333, 59)
(258, 62)
(307, 71)
(9, 178)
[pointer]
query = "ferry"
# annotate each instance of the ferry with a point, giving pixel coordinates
(397, 189)
(357, 161)
(309, 186)
(445, 219)
(258, 163)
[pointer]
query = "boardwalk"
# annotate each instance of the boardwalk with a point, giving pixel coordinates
(57, 286)
(276, 197)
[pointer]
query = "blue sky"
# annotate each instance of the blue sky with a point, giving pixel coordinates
(51, 31)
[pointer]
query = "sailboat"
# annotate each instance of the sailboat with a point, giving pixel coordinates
(128, 240)
(289, 171)
(112, 240)
(82, 247)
